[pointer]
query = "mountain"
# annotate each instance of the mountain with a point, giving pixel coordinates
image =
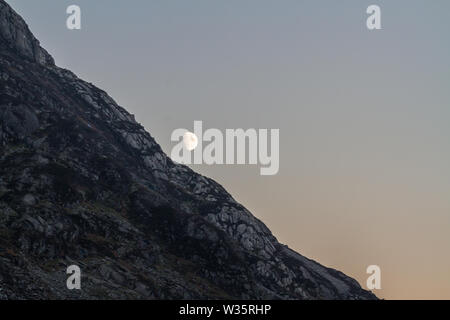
(82, 183)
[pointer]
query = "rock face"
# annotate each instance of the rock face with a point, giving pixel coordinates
(81, 182)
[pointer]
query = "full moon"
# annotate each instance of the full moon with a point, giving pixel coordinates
(190, 141)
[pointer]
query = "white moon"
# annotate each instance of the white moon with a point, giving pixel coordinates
(190, 141)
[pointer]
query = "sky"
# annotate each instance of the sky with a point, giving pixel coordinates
(363, 115)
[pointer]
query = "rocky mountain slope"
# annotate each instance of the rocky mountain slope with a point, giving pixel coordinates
(81, 182)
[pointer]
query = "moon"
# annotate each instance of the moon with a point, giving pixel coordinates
(190, 141)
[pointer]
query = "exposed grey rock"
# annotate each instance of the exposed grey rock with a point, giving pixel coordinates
(16, 35)
(29, 200)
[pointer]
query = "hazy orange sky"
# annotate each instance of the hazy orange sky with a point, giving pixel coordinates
(363, 115)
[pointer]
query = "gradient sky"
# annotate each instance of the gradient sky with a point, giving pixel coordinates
(363, 115)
